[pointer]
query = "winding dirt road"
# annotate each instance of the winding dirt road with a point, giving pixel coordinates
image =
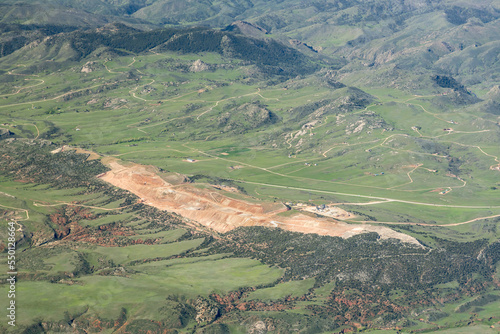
(214, 209)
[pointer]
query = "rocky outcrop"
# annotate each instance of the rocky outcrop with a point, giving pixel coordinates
(89, 67)
(206, 310)
(247, 28)
(199, 66)
(302, 46)
(246, 117)
(258, 328)
(494, 93)
(5, 133)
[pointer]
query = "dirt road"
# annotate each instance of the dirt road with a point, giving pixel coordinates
(213, 207)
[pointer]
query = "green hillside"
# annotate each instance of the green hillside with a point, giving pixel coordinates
(378, 38)
(385, 110)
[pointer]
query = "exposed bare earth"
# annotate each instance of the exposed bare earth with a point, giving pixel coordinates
(330, 211)
(211, 208)
(91, 155)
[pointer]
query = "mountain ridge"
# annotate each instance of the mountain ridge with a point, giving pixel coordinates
(370, 120)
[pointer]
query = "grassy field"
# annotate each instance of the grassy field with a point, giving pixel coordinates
(125, 255)
(400, 160)
(478, 329)
(167, 116)
(105, 295)
(292, 289)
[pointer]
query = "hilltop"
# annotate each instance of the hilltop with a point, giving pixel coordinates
(251, 166)
(393, 43)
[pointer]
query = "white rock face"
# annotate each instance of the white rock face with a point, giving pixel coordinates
(199, 66)
(87, 68)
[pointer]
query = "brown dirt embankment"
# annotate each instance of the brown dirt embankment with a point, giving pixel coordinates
(210, 207)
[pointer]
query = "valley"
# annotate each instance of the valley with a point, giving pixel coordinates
(411, 175)
(251, 166)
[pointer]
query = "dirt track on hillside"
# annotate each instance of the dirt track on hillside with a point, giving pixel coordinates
(210, 207)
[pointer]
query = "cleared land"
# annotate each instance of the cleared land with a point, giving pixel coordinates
(213, 209)
(400, 159)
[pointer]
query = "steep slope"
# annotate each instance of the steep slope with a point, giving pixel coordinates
(214, 13)
(231, 140)
(74, 13)
(85, 12)
(396, 40)
(429, 43)
(270, 55)
(221, 213)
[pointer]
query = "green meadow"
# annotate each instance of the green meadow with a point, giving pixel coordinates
(404, 159)
(395, 148)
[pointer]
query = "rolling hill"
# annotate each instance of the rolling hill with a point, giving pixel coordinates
(250, 166)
